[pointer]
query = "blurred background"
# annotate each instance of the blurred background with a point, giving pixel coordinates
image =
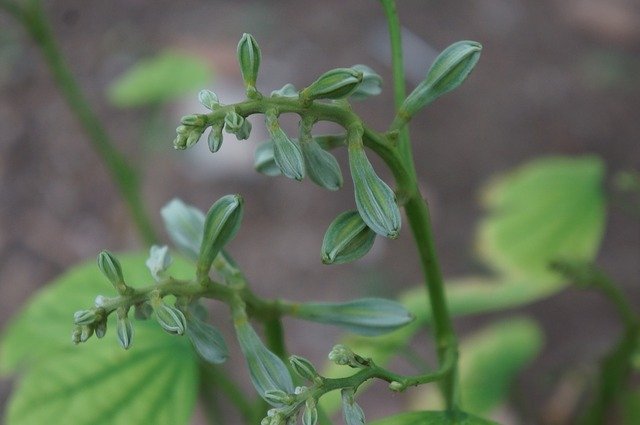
(555, 77)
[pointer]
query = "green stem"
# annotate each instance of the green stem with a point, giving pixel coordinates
(123, 174)
(275, 337)
(420, 223)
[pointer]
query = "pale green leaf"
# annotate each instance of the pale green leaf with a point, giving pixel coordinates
(433, 418)
(167, 75)
(546, 210)
(98, 382)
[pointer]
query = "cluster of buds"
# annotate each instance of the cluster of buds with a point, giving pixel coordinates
(343, 356)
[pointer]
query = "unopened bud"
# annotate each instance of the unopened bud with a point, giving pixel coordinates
(347, 239)
(170, 318)
(110, 267)
(249, 59)
(208, 99)
(335, 84)
(303, 368)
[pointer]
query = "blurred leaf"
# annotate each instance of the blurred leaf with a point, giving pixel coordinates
(631, 408)
(546, 210)
(97, 382)
(489, 362)
(168, 75)
(432, 418)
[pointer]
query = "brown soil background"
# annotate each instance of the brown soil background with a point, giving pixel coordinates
(556, 77)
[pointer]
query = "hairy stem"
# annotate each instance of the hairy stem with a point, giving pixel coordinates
(125, 177)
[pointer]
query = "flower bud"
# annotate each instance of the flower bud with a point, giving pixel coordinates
(347, 239)
(249, 59)
(215, 137)
(110, 267)
(277, 397)
(371, 83)
(220, 226)
(303, 368)
(287, 153)
(322, 167)
(238, 125)
(86, 332)
(208, 99)
(124, 330)
(158, 262)
(352, 412)
(335, 84)
(84, 317)
(100, 328)
(375, 200)
(343, 356)
(170, 318)
(264, 160)
(194, 120)
(193, 137)
(288, 90)
(310, 415)
(185, 224)
(75, 335)
(448, 71)
(206, 339)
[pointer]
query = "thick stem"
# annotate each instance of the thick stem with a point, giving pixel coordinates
(420, 223)
(123, 174)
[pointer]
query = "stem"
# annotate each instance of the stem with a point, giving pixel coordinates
(420, 223)
(122, 173)
(275, 337)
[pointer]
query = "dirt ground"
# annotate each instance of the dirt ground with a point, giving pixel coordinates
(555, 77)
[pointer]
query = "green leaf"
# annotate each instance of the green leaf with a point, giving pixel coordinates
(167, 75)
(489, 362)
(155, 381)
(433, 418)
(546, 210)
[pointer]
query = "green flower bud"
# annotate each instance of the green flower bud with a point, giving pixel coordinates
(158, 262)
(310, 415)
(303, 368)
(341, 355)
(287, 153)
(215, 137)
(352, 412)
(267, 371)
(84, 317)
(208, 99)
(194, 120)
(396, 386)
(86, 332)
(347, 239)
(236, 124)
(449, 70)
(365, 316)
(249, 59)
(124, 330)
(322, 167)
(170, 318)
(371, 83)
(100, 328)
(264, 160)
(75, 335)
(335, 84)
(194, 136)
(207, 340)
(220, 226)
(180, 142)
(375, 200)
(110, 267)
(278, 397)
(185, 224)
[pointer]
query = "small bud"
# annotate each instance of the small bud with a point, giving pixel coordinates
(277, 397)
(347, 239)
(343, 356)
(303, 368)
(375, 200)
(365, 316)
(158, 262)
(194, 120)
(208, 99)
(183, 130)
(264, 160)
(220, 226)
(322, 167)
(86, 333)
(352, 412)
(100, 301)
(396, 386)
(170, 318)
(215, 137)
(185, 224)
(100, 328)
(287, 153)
(194, 136)
(110, 267)
(124, 330)
(84, 317)
(448, 71)
(335, 84)
(249, 59)
(310, 415)
(288, 90)
(371, 83)
(206, 339)
(75, 335)
(180, 142)
(236, 124)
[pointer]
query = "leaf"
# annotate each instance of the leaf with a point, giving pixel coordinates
(546, 210)
(433, 418)
(98, 382)
(489, 362)
(167, 75)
